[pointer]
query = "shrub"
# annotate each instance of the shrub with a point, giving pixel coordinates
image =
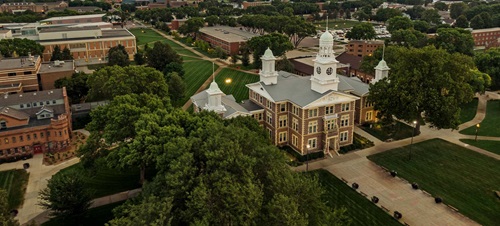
(303, 158)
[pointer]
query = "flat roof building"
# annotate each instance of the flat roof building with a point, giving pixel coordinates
(230, 39)
(91, 18)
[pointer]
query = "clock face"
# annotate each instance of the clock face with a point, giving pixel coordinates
(318, 70)
(329, 71)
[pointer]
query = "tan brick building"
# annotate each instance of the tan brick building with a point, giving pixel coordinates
(230, 39)
(363, 48)
(27, 74)
(37, 7)
(86, 43)
(316, 111)
(33, 123)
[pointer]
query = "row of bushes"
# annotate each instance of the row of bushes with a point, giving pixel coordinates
(359, 142)
(303, 158)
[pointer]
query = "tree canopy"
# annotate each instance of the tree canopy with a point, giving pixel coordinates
(76, 86)
(362, 31)
(5, 215)
(118, 55)
(21, 47)
(278, 43)
(109, 82)
(399, 22)
(454, 40)
(161, 55)
(489, 62)
(426, 83)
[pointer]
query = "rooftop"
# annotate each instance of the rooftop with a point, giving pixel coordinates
(106, 33)
(73, 17)
(15, 99)
(486, 30)
(353, 60)
(59, 29)
(17, 63)
(228, 34)
(49, 67)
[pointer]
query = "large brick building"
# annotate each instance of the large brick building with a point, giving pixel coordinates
(37, 7)
(230, 39)
(26, 74)
(92, 18)
(487, 38)
(308, 113)
(34, 122)
(363, 48)
(89, 44)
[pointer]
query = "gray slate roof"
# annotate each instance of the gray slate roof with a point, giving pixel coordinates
(13, 113)
(353, 84)
(228, 101)
(251, 106)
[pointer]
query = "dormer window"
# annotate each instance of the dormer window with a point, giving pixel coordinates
(54, 101)
(21, 106)
(34, 104)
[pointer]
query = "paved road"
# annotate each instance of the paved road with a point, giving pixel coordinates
(417, 207)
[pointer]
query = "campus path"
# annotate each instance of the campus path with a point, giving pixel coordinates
(396, 194)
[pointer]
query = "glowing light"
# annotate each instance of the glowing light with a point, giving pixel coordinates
(228, 80)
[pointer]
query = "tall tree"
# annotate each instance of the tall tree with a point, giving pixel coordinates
(176, 86)
(76, 86)
(477, 22)
(362, 31)
(387, 13)
(118, 55)
(399, 22)
(66, 54)
(66, 196)
(151, 210)
(455, 40)
(421, 26)
(192, 26)
(409, 38)
(22, 47)
(489, 62)
(5, 215)
(160, 55)
(278, 43)
(431, 16)
(109, 82)
(457, 9)
(462, 22)
(56, 54)
(426, 82)
(441, 6)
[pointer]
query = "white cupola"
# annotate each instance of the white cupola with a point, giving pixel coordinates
(268, 74)
(381, 71)
(215, 99)
(325, 66)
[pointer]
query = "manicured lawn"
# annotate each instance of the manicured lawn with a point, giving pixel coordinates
(183, 51)
(468, 111)
(149, 36)
(398, 131)
(490, 124)
(237, 85)
(14, 183)
(173, 44)
(105, 181)
(463, 178)
(361, 210)
(95, 216)
(488, 145)
(197, 72)
(186, 58)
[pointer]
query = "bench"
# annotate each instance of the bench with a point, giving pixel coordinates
(384, 208)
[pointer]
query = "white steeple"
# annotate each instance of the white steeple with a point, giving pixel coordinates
(325, 66)
(215, 99)
(268, 74)
(381, 70)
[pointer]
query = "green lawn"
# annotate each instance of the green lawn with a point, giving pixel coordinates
(361, 210)
(187, 58)
(237, 85)
(173, 44)
(398, 131)
(197, 72)
(468, 111)
(105, 181)
(95, 216)
(14, 183)
(488, 145)
(463, 178)
(183, 51)
(489, 126)
(149, 36)
(336, 24)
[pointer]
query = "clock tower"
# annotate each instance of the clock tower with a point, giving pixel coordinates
(325, 66)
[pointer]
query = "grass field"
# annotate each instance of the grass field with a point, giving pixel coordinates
(186, 58)
(336, 24)
(361, 210)
(488, 145)
(105, 181)
(96, 216)
(463, 178)
(468, 111)
(197, 72)
(489, 126)
(237, 85)
(148, 37)
(397, 132)
(14, 183)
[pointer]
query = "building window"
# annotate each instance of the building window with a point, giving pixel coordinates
(6, 140)
(28, 105)
(344, 120)
(41, 103)
(282, 107)
(295, 110)
(295, 140)
(12, 74)
(258, 116)
(345, 107)
(48, 134)
(41, 134)
(3, 125)
(282, 137)
(269, 105)
(21, 138)
(283, 121)
(47, 102)
(270, 133)
(60, 133)
(313, 127)
(269, 118)
(329, 110)
(261, 100)
(34, 104)
(295, 124)
(28, 137)
(313, 112)
(369, 116)
(54, 101)
(35, 136)
(21, 106)
(368, 104)
(13, 139)
(331, 124)
(344, 136)
(313, 142)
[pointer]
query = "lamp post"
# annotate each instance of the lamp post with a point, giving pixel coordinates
(477, 129)
(307, 156)
(412, 135)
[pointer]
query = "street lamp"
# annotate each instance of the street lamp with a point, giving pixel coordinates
(412, 135)
(307, 161)
(477, 129)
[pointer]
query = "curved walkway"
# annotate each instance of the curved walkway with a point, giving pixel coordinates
(396, 194)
